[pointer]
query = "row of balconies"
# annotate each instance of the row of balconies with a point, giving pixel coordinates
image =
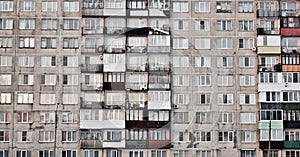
(99, 68)
(285, 31)
(122, 86)
(262, 13)
(137, 49)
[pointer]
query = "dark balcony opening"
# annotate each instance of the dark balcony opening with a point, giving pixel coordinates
(267, 31)
(274, 144)
(114, 86)
(91, 105)
(291, 124)
(96, 68)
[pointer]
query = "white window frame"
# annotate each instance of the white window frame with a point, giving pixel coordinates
(5, 60)
(69, 117)
(225, 99)
(225, 80)
(247, 99)
(180, 24)
(248, 136)
(26, 79)
(70, 99)
(26, 42)
(202, 43)
(71, 6)
(71, 24)
(27, 5)
(246, 25)
(25, 98)
(5, 79)
(49, 24)
(47, 117)
(202, 24)
(49, 6)
(224, 43)
(69, 136)
(46, 136)
(224, 25)
(6, 23)
(247, 80)
(202, 7)
(6, 5)
(225, 62)
(180, 7)
(25, 24)
(180, 43)
(180, 80)
(223, 138)
(180, 61)
(203, 80)
(70, 61)
(5, 98)
(247, 62)
(247, 117)
(245, 7)
(203, 61)
(48, 42)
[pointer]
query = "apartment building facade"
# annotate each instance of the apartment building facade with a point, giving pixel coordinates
(159, 78)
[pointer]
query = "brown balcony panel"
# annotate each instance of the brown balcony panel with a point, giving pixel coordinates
(135, 124)
(290, 31)
(136, 144)
(91, 68)
(90, 144)
(114, 85)
(157, 144)
(291, 68)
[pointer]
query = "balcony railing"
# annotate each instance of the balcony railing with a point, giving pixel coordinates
(267, 31)
(91, 104)
(266, 68)
(137, 67)
(96, 49)
(115, 30)
(291, 58)
(91, 67)
(159, 68)
(267, 13)
(92, 87)
(136, 49)
(292, 144)
(136, 86)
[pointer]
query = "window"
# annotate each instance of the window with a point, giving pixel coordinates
(181, 99)
(24, 136)
(246, 62)
(267, 24)
(246, 43)
(71, 6)
(114, 4)
(90, 153)
(268, 61)
(202, 24)
(159, 4)
(224, 25)
(288, 7)
(248, 117)
(181, 117)
(136, 134)
(46, 136)
(92, 4)
(48, 43)
(203, 117)
(71, 24)
(115, 98)
(247, 80)
(180, 43)
(4, 117)
(136, 153)
(47, 99)
(26, 79)
(92, 43)
(70, 99)
(225, 80)
(225, 99)
(6, 5)
(4, 153)
(202, 7)
(273, 153)
(225, 62)
(223, 7)
(27, 5)
(70, 61)
(26, 42)
(203, 98)
(291, 153)
(203, 80)
(203, 43)
(271, 115)
(23, 153)
(5, 98)
(4, 136)
(226, 117)
(158, 115)
(248, 153)
(158, 153)
(224, 43)
(87, 115)
(69, 136)
(180, 24)
(49, 24)
(46, 153)
(5, 79)
(48, 80)
(47, 117)
(69, 117)
(68, 153)
(226, 136)
(203, 153)
(246, 25)
(93, 79)
(48, 61)
(203, 136)
(248, 136)
(247, 99)
(159, 134)
(269, 77)
(49, 6)
(112, 135)
(180, 80)
(291, 77)
(5, 23)
(25, 98)
(5, 42)
(70, 43)
(113, 153)
(245, 7)
(26, 24)
(180, 61)
(202, 61)
(180, 7)
(181, 153)
(92, 24)
(70, 79)
(292, 135)
(291, 96)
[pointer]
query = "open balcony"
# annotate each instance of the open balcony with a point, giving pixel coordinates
(268, 31)
(94, 68)
(114, 85)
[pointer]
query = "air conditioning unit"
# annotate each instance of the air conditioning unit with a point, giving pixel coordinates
(254, 49)
(175, 106)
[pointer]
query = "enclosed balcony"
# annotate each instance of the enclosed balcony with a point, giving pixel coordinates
(261, 13)
(94, 68)
(159, 43)
(159, 81)
(90, 138)
(92, 8)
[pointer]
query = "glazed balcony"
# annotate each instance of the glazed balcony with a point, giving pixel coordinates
(115, 30)
(87, 144)
(92, 9)
(92, 68)
(262, 13)
(91, 87)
